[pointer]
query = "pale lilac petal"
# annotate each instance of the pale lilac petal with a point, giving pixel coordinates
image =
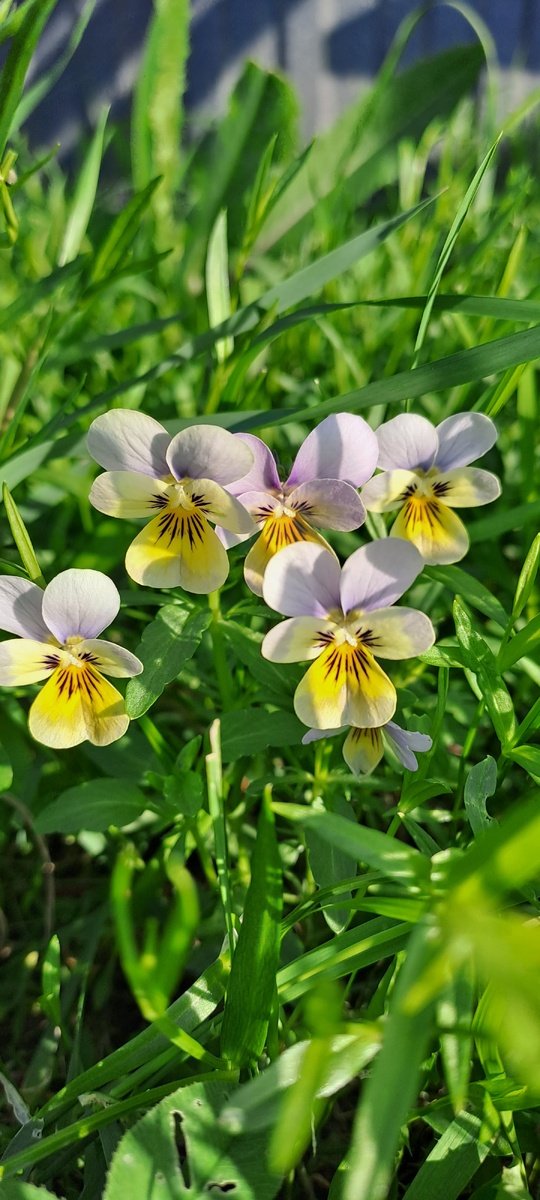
(110, 658)
(263, 475)
(295, 640)
(316, 735)
(406, 443)
(79, 603)
(260, 505)
(208, 452)
(328, 504)
(467, 487)
(302, 581)
(342, 447)
(375, 576)
(20, 608)
(125, 440)
(404, 743)
(464, 438)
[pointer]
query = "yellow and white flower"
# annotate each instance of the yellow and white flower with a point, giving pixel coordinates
(344, 619)
(364, 748)
(426, 475)
(57, 640)
(179, 483)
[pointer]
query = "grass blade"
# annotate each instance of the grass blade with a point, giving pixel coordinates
(85, 194)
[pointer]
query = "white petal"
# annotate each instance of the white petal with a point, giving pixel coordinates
(407, 442)
(342, 447)
(295, 640)
(375, 576)
(385, 491)
(125, 440)
(396, 632)
(302, 581)
(24, 661)
(466, 487)
(126, 494)
(218, 505)
(208, 452)
(110, 658)
(328, 504)
(20, 608)
(463, 438)
(80, 603)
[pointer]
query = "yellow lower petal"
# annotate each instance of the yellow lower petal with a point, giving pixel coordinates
(276, 533)
(178, 549)
(345, 686)
(434, 529)
(76, 705)
(363, 750)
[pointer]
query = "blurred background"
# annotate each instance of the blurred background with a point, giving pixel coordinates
(330, 49)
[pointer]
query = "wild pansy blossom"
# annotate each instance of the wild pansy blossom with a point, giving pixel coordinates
(426, 474)
(364, 748)
(344, 618)
(179, 483)
(57, 640)
(320, 493)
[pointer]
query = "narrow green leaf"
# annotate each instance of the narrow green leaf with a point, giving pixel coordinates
(462, 584)
(455, 1013)
(218, 294)
(252, 983)
(525, 642)
(95, 804)
(84, 195)
(392, 858)
(527, 757)
(448, 247)
(503, 860)
(13, 75)
(250, 730)
(37, 92)
(330, 865)
(216, 806)
(393, 1085)
(122, 232)
(527, 578)
(452, 1163)
(21, 538)
(167, 644)
(158, 101)
(480, 785)
(344, 953)
(278, 681)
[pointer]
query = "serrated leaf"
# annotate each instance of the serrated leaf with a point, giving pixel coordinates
(279, 681)
(480, 785)
(95, 804)
(167, 644)
(147, 1160)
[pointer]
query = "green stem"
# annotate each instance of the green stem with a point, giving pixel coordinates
(219, 654)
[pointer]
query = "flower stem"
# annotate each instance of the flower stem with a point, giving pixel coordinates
(223, 675)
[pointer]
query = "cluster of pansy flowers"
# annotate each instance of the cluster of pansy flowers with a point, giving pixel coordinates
(341, 620)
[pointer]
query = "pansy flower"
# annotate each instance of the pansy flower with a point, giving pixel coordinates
(57, 640)
(320, 493)
(426, 475)
(364, 748)
(344, 619)
(179, 483)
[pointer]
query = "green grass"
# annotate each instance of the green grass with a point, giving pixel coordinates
(378, 1031)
